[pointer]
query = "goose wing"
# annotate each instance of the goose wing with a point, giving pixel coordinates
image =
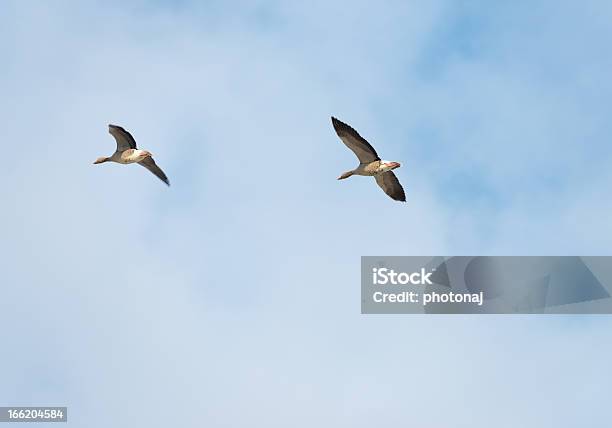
(359, 145)
(124, 139)
(150, 164)
(391, 185)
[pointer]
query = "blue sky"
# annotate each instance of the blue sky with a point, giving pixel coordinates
(232, 298)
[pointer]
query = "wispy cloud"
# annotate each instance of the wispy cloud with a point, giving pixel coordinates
(232, 298)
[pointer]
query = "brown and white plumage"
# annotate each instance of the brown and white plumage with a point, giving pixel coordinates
(370, 163)
(391, 185)
(150, 164)
(127, 152)
(359, 145)
(123, 138)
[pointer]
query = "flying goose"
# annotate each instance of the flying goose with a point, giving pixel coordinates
(128, 153)
(369, 162)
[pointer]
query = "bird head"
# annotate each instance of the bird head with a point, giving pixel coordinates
(345, 175)
(147, 154)
(100, 160)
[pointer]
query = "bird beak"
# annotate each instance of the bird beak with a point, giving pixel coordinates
(394, 165)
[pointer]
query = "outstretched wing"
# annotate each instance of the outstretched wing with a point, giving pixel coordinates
(124, 139)
(150, 164)
(391, 185)
(364, 150)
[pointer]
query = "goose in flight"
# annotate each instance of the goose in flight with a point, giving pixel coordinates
(128, 153)
(369, 162)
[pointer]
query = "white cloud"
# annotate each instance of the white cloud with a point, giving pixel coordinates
(149, 306)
